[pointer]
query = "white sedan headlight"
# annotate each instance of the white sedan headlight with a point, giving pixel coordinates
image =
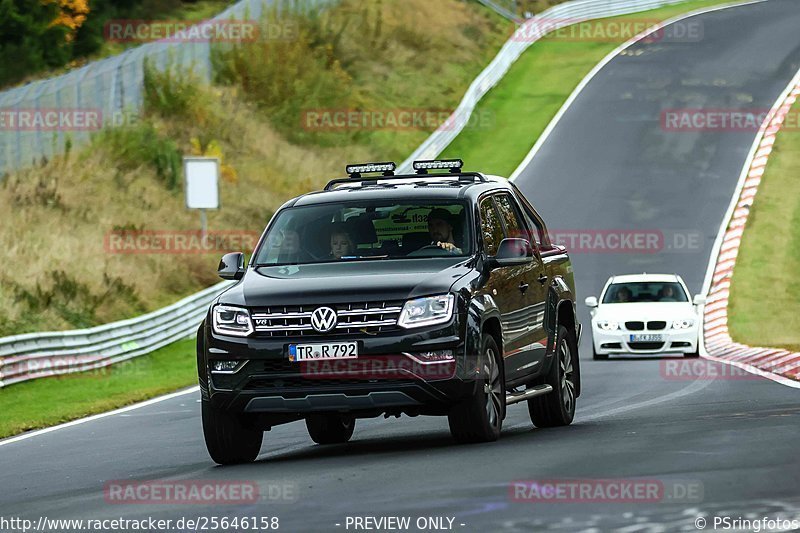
(426, 311)
(228, 320)
(608, 325)
(683, 324)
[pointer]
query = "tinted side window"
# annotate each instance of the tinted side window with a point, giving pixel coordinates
(510, 217)
(539, 233)
(490, 227)
(536, 229)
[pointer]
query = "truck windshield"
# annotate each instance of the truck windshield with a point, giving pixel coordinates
(667, 291)
(366, 231)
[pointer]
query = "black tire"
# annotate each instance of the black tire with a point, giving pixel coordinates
(599, 356)
(330, 428)
(228, 440)
(693, 355)
(557, 408)
(479, 418)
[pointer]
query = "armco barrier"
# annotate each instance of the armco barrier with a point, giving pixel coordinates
(111, 86)
(34, 355)
(509, 11)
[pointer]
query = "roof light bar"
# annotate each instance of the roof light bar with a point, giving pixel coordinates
(453, 165)
(355, 171)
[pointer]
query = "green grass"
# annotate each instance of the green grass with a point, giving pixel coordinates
(519, 108)
(46, 402)
(763, 309)
(534, 89)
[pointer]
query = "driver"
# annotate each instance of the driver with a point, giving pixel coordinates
(440, 228)
(623, 295)
(291, 251)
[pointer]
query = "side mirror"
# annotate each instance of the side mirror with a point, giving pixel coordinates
(512, 252)
(699, 299)
(231, 266)
(590, 301)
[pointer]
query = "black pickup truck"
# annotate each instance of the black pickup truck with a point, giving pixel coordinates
(432, 293)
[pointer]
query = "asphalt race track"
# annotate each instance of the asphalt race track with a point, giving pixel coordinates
(608, 165)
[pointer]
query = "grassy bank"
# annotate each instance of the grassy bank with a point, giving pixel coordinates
(763, 309)
(50, 401)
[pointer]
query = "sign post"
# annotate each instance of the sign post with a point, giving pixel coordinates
(202, 186)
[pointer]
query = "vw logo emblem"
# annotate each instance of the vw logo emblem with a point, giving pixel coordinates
(323, 319)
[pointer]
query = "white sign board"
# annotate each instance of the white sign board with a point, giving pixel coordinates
(202, 182)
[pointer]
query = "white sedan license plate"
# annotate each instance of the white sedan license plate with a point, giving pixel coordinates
(647, 337)
(328, 350)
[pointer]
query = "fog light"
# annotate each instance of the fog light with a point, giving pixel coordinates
(435, 356)
(226, 367)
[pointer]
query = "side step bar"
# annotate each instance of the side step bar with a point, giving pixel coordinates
(538, 390)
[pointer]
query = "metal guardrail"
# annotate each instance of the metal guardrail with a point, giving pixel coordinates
(111, 86)
(527, 33)
(509, 12)
(36, 355)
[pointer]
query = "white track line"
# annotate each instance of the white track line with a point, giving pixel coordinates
(597, 68)
(31, 434)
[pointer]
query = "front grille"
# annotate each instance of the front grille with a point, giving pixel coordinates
(366, 317)
(646, 345)
(634, 326)
(656, 325)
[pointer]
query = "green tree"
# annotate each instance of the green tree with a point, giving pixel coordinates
(29, 42)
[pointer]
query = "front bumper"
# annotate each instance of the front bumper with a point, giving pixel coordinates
(619, 342)
(386, 376)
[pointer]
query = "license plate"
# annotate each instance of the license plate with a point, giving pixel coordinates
(647, 337)
(328, 350)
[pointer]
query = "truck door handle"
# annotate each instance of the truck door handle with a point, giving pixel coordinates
(541, 279)
(523, 287)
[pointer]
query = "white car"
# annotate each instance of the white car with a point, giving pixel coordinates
(645, 314)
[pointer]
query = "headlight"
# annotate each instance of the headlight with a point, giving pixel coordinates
(608, 325)
(683, 324)
(426, 311)
(227, 320)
